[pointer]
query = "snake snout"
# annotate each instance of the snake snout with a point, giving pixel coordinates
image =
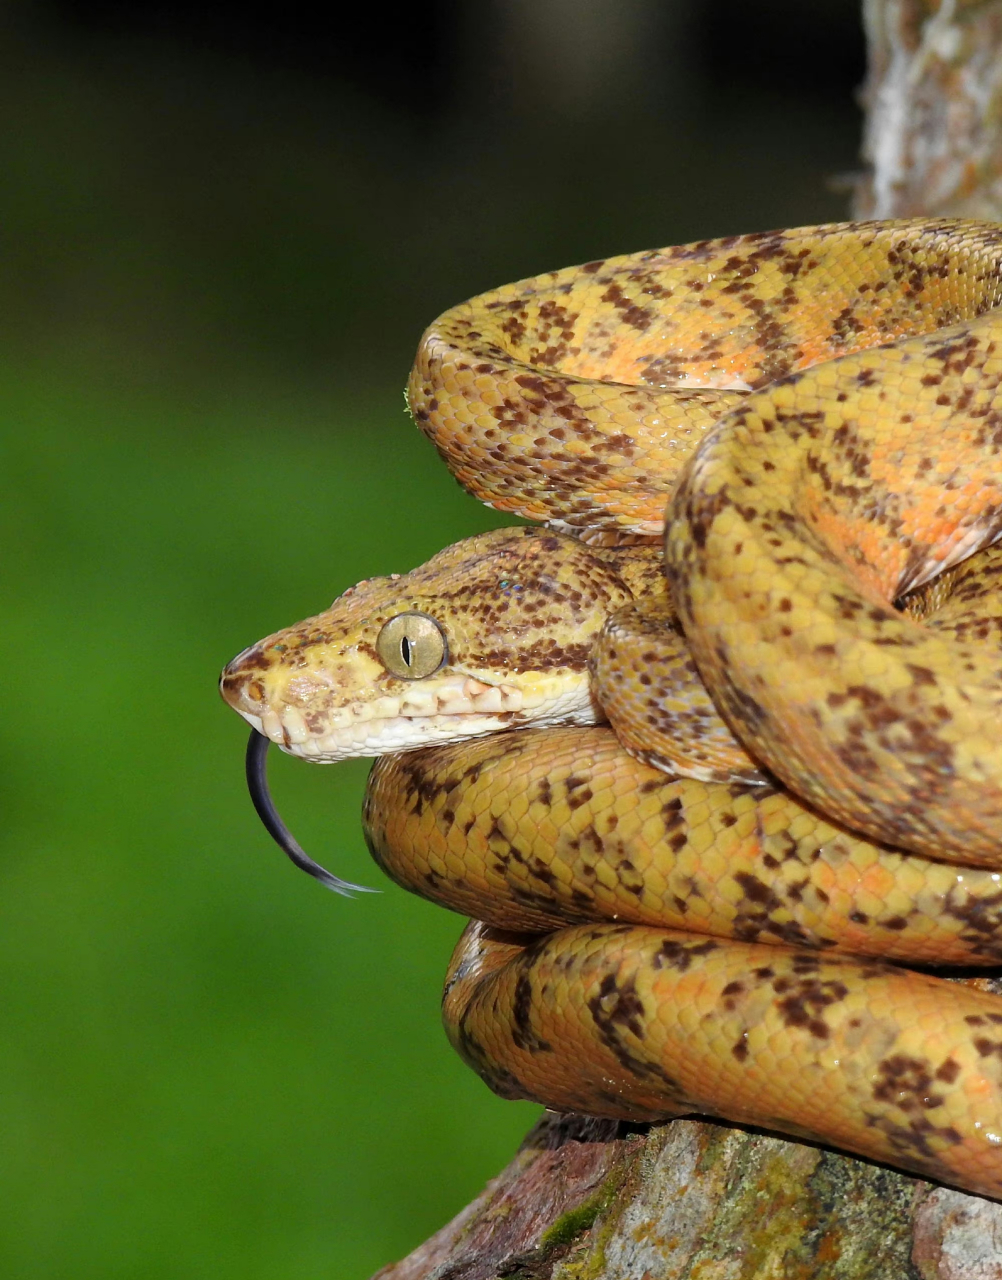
(242, 687)
(282, 699)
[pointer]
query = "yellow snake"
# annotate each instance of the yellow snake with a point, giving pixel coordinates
(649, 944)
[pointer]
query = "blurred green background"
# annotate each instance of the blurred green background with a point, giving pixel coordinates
(223, 231)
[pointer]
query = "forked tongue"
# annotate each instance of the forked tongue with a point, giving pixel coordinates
(257, 783)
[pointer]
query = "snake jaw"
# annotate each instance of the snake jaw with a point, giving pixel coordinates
(447, 707)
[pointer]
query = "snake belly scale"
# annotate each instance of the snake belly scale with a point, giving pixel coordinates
(710, 911)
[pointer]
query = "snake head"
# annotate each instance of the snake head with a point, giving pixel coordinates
(493, 632)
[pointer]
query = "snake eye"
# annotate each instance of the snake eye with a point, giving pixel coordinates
(411, 646)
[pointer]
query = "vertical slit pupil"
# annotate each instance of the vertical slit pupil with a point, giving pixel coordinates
(405, 651)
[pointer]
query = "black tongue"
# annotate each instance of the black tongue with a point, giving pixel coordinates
(257, 783)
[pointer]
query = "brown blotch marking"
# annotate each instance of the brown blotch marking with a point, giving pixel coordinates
(803, 1001)
(522, 1033)
(679, 955)
(616, 1010)
(906, 1082)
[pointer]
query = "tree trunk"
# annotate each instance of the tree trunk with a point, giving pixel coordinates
(588, 1198)
(933, 99)
(694, 1198)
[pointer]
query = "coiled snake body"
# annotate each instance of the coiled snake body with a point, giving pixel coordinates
(707, 923)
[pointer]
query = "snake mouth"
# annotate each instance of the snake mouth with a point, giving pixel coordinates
(397, 733)
(447, 709)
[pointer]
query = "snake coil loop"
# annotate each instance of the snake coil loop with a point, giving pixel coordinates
(821, 411)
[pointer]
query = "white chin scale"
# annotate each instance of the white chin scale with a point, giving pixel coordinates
(457, 708)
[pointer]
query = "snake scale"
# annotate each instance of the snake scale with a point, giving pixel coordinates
(704, 799)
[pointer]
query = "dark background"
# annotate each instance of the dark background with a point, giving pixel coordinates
(222, 232)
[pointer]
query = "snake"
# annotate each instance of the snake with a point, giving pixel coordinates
(704, 808)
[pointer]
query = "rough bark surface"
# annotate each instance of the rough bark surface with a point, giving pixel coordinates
(933, 99)
(588, 1199)
(695, 1199)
